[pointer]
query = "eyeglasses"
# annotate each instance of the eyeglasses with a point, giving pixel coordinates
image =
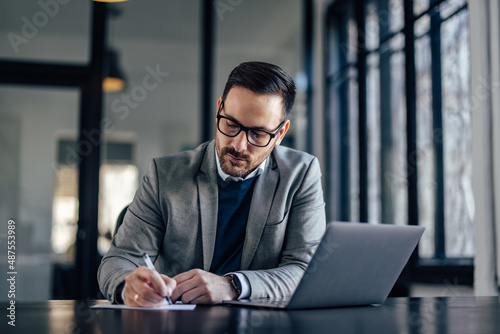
(256, 137)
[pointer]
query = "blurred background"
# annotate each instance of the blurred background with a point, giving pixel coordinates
(90, 92)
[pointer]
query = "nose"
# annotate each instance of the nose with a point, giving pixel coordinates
(240, 142)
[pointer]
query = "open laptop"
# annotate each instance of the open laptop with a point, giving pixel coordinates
(355, 264)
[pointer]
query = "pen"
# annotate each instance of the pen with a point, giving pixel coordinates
(152, 267)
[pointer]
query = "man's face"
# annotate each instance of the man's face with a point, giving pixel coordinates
(236, 155)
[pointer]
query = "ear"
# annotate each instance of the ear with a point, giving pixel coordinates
(282, 132)
(219, 101)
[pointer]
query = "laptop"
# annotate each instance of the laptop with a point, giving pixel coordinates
(355, 264)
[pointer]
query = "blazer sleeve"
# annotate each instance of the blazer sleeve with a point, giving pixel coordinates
(305, 228)
(144, 222)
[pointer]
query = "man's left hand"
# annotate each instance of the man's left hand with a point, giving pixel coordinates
(197, 286)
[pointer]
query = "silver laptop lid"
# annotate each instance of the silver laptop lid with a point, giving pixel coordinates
(355, 264)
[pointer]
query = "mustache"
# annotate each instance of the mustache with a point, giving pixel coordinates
(234, 153)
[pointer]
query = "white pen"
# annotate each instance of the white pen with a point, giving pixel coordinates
(150, 265)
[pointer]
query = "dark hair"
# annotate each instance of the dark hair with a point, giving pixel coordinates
(263, 78)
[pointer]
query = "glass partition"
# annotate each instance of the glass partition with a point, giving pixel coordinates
(158, 111)
(39, 189)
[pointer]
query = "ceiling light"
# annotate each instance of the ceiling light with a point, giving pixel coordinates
(114, 80)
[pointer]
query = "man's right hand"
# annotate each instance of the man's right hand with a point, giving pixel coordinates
(147, 288)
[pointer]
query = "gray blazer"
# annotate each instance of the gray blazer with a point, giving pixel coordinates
(173, 218)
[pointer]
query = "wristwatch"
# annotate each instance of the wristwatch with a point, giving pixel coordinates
(236, 284)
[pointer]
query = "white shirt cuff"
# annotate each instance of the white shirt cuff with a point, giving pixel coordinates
(245, 285)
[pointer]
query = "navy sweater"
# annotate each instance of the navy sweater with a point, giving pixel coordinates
(234, 206)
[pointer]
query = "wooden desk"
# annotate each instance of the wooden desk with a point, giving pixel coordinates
(471, 315)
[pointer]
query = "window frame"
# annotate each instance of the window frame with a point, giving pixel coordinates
(439, 269)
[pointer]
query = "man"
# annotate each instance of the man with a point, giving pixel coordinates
(237, 217)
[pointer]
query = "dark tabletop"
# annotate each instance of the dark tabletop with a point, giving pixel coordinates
(471, 315)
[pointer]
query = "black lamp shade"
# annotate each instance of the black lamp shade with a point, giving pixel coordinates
(114, 79)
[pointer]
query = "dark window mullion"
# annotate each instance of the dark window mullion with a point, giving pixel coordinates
(308, 59)
(411, 124)
(337, 123)
(344, 151)
(439, 215)
(363, 135)
(411, 118)
(88, 183)
(386, 145)
(433, 4)
(207, 65)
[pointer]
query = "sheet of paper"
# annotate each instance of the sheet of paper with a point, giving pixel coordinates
(177, 307)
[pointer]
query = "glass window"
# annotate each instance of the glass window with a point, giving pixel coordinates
(396, 15)
(373, 136)
(394, 191)
(442, 159)
(385, 94)
(353, 145)
(65, 212)
(424, 159)
(449, 7)
(419, 6)
(118, 183)
(457, 136)
(372, 26)
(342, 180)
(119, 179)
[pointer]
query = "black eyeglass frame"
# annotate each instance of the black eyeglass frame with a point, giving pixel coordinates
(246, 129)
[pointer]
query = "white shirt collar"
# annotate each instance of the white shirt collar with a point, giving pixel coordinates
(225, 177)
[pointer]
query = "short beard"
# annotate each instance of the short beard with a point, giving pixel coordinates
(236, 154)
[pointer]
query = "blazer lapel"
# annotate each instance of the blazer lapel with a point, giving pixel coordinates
(209, 198)
(260, 207)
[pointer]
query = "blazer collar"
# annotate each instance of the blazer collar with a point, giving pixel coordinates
(209, 199)
(260, 207)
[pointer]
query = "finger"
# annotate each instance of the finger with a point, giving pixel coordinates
(138, 301)
(182, 288)
(134, 298)
(154, 279)
(142, 283)
(185, 282)
(212, 289)
(170, 284)
(186, 275)
(194, 296)
(194, 286)
(131, 297)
